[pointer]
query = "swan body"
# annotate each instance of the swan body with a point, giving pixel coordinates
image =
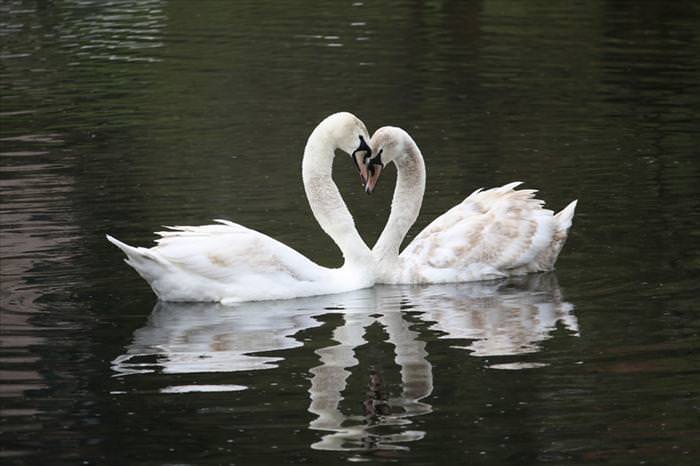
(227, 262)
(492, 234)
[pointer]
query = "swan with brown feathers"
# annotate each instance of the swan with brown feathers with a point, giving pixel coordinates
(492, 234)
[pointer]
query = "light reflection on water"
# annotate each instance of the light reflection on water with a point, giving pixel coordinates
(503, 318)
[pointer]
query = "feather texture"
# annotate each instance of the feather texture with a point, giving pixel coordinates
(227, 262)
(492, 234)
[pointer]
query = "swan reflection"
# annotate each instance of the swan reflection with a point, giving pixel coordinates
(501, 318)
(329, 380)
(509, 318)
(182, 338)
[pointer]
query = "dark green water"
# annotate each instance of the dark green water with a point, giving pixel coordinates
(124, 116)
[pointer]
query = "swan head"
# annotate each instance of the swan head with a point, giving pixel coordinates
(387, 144)
(350, 135)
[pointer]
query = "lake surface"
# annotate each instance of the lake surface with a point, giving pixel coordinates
(120, 117)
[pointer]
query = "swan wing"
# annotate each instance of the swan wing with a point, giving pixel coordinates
(220, 262)
(226, 250)
(229, 263)
(491, 234)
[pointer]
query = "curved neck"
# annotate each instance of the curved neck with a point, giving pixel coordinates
(325, 200)
(406, 203)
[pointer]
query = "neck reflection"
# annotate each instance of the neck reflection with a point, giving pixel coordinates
(382, 425)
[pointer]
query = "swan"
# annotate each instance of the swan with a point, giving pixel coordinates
(229, 263)
(492, 234)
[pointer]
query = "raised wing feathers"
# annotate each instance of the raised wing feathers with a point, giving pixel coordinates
(491, 233)
(227, 250)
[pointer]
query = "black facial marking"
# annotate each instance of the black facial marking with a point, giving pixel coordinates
(376, 160)
(354, 160)
(362, 147)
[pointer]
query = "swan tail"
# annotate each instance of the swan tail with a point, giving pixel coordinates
(144, 261)
(565, 216)
(131, 252)
(148, 264)
(546, 259)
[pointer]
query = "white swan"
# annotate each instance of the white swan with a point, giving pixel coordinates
(228, 263)
(491, 234)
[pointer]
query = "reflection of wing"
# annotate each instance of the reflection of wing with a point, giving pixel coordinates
(490, 234)
(207, 337)
(224, 262)
(501, 318)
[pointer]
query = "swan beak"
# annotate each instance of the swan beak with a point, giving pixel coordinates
(375, 169)
(359, 156)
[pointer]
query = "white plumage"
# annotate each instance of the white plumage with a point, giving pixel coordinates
(491, 234)
(226, 262)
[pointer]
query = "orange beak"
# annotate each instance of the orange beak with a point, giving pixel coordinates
(358, 158)
(374, 169)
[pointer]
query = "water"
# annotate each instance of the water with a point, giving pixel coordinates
(124, 116)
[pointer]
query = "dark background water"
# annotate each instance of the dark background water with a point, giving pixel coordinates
(124, 116)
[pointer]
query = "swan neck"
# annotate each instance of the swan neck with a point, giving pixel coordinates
(325, 200)
(405, 205)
